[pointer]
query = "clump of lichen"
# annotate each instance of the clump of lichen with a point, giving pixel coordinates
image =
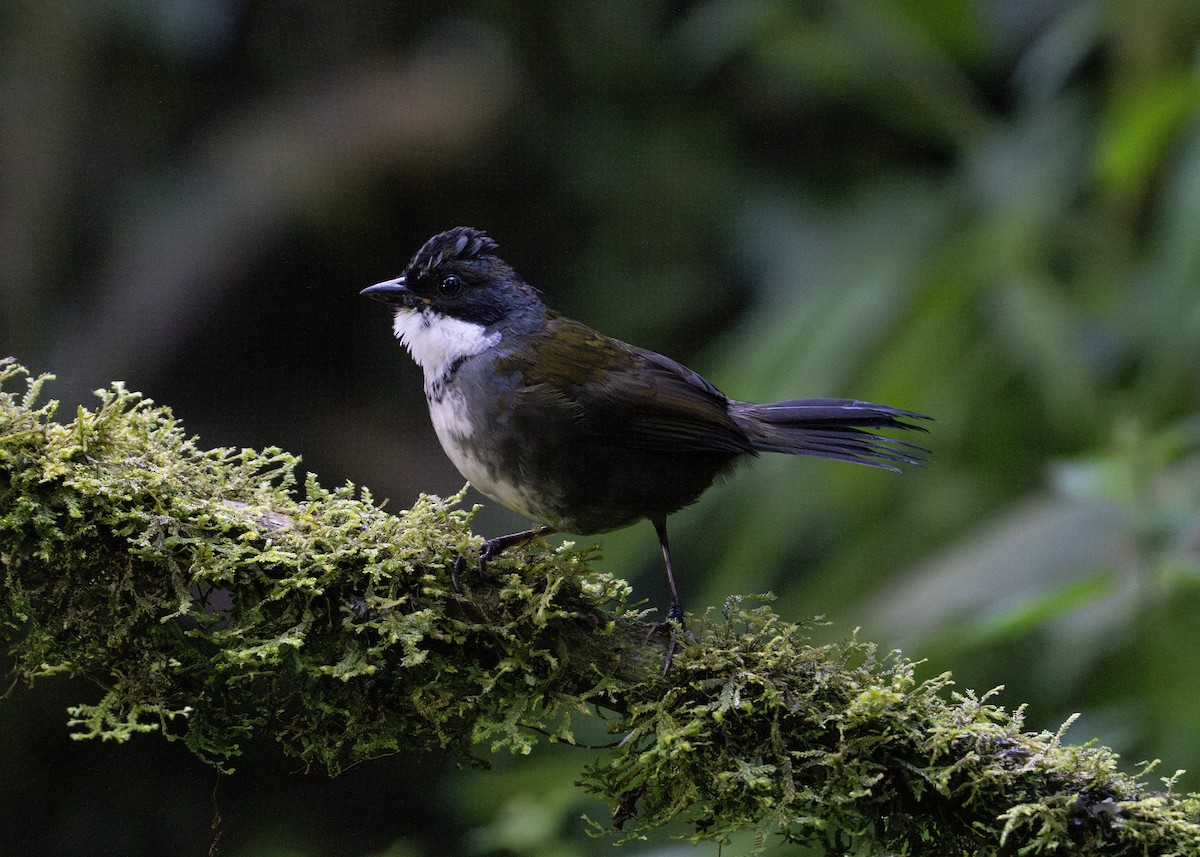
(213, 598)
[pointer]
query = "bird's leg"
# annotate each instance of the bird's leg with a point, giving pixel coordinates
(495, 547)
(675, 612)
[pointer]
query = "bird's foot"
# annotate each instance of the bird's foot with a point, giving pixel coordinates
(460, 565)
(676, 625)
(492, 548)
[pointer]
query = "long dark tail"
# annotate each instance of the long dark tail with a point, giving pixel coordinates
(831, 428)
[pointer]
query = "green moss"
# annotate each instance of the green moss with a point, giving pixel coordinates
(838, 747)
(212, 598)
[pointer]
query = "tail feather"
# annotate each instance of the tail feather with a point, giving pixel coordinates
(831, 428)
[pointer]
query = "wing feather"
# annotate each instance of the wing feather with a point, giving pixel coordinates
(626, 396)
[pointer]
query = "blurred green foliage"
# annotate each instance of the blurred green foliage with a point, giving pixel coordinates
(983, 211)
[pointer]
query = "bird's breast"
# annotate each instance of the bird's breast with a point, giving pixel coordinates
(463, 429)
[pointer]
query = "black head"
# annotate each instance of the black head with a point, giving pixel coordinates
(456, 273)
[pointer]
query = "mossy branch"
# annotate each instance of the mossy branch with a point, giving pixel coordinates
(213, 601)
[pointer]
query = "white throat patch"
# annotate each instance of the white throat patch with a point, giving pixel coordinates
(437, 341)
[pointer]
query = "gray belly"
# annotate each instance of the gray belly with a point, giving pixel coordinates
(456, 429)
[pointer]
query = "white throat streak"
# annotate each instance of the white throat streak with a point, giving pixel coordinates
(437, 342)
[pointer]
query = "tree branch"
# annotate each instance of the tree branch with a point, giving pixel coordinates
(212, 601)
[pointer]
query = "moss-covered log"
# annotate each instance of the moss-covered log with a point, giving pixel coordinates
(212, 599)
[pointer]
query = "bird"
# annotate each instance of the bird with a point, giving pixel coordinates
(580, 432)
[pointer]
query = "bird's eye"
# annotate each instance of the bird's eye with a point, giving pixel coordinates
(450, 286)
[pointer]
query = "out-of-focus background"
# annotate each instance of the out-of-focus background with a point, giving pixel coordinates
(985, 211)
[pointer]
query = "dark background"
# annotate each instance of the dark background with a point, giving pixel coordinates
(985, 211)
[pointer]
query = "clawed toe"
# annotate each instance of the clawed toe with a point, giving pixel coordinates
(492, 548)
(675, 625)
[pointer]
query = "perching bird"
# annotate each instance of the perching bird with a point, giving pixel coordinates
(580, 432)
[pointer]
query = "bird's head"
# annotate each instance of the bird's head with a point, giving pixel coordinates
(457, 274)
(457, 298)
